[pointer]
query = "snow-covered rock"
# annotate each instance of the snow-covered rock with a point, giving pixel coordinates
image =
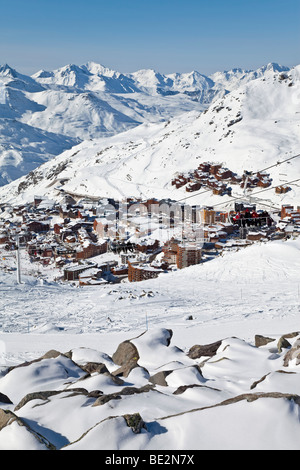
(55, 407)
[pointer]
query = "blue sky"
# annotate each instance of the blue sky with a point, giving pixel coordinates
(166, 35)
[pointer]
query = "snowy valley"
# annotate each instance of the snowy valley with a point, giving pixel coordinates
(149, 260)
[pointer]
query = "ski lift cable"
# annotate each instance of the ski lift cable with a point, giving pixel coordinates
(208, 190)
(258, 192)
(258, 171)
(279, 163)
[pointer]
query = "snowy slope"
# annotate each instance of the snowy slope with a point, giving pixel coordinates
(230, 79)
(91, 101)
(236, 393)
(251, 128)
(79, 396)
(23, 147)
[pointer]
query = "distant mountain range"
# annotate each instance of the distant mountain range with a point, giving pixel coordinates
(252, 127)
(51, 111)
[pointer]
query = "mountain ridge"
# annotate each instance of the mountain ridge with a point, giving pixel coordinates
(249, 129)
(79, 103)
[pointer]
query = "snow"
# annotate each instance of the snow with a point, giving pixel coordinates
(57, 109)
(241, 397)
(231, 299)
(142, 162)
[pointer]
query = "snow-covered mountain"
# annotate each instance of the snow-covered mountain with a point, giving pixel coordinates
(49, 112)
(250, 128)
(205, 357)
(232, 78)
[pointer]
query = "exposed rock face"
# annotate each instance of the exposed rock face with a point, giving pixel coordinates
(209, 350)
(124, 392)
(293, 354)
(261, 340)
(135, 422)
(95, 367)
(283, 344)
(4, 399)
(126, 368)
(125, 353)
(45, 395)
(160, 378)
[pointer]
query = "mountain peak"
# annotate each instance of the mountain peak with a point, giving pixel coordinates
(98, 69)
(274, 67)
(7, 71)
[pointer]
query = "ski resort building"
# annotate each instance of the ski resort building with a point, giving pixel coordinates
(183, 254)
(188, 255)
(141, 272)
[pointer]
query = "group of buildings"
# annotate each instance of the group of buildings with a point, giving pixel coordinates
(141, 241)
(218, 179)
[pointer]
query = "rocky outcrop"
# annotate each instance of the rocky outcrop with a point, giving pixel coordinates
(124, 392)
(207, 350)
(261, 340)
(45, 395)
(125, 353)
(135, 422)
(4, 399)
(7, 418)
(293, 354)
(57, 402)
(160, 378)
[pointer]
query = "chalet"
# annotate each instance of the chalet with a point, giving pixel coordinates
(288, 211)
(223, 174)
(91, 276)
(37, 200)
(255, 236)
(140, 272)
(37, 226)
(66, 212)
(215, 168)
(188, 255)
(120, 270)
(146, 246)
(149, 203)
(207, 215)
(201, 176)
(101, 226)
(180, 181)
(46, 250)
(193, 187)
(4, 237)
(40, 248)
(57, 228)
(89, 249)
(72, 272)
(169, 250)
(226, 227)
(205, 167)
(263, 183)
(65, 252)
(282, 189)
